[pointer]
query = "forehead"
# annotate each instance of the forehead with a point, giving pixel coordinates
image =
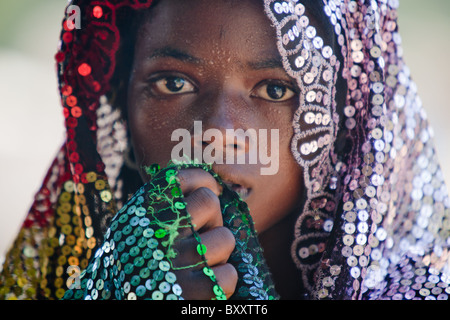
(209, 27)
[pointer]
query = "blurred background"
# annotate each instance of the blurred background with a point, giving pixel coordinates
(31, 121)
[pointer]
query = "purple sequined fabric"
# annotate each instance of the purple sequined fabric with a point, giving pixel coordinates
(376, 221)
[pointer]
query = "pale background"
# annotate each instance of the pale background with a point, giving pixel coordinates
(31, 121)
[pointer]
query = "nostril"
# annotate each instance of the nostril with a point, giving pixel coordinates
(235, 146)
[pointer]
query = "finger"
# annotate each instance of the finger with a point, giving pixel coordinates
(198, 286)
(203, 205)
(218, 244)
(192, 179)
(227, 277)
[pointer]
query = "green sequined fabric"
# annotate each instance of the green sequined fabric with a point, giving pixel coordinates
(135, 260)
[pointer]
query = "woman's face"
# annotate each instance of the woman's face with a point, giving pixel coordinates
(216, 62)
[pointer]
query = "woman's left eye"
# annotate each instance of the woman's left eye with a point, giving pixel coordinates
(273, 92)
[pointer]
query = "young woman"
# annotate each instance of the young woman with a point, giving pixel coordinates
(355, 209)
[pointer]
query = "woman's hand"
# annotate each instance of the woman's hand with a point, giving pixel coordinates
(201, 193)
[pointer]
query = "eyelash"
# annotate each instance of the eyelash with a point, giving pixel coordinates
(289, 89)
(157, 84)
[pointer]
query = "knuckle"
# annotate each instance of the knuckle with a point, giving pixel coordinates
(181, 178)
(204, 207)
(215, 188)
(233, 275)
(228, 279)
(206, 197)
(190, 179)
(226, 238)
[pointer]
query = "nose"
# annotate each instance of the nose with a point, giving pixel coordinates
(224, 126)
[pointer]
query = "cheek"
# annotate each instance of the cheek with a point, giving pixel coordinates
(150, 133)
(279, 195)
(277, 198)
(281, 118)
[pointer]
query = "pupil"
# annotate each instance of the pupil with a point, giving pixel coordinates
(174, 84)
(276, 92)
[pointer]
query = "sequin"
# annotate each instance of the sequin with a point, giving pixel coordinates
(71, 101)
(106, 195)
(97, 12)
(170, 277)
(148, 233)
(201, 249)
(160, 233)
(158, 254)
(84, 69)
(177, 290)
(180, 205)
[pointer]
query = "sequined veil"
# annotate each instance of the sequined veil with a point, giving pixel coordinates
(375, 224)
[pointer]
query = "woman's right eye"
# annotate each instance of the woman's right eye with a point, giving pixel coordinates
(171, 85)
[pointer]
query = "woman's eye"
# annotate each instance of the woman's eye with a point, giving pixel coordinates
(274, 92)
(172, 85)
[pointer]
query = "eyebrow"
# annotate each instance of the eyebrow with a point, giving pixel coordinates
(266, 64)
(170, 52)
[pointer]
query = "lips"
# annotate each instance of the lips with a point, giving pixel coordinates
(242, 191)
(236, 178)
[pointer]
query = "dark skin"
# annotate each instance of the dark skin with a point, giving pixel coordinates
(217, 62)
